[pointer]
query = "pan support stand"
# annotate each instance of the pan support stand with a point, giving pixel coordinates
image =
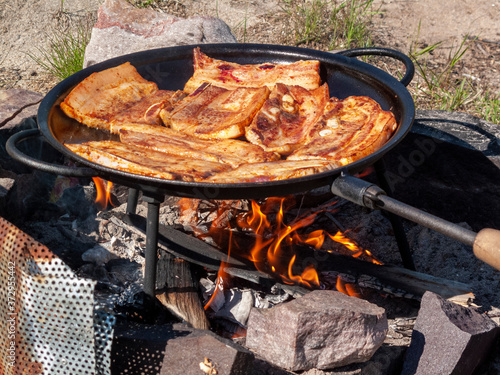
(153, 212)
(396, 223)
(152, 223)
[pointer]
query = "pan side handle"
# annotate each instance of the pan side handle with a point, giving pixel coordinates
(376, 51)
(16, 154)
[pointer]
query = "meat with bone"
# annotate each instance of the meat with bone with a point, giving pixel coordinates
(349, 130)
(232, 75)
(287, 117)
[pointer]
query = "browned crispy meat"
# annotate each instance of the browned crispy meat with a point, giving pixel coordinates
(286, 117)
(228, 151)
(271, 171)
(151, 163)
(213, 112)
(147, 110)
(349, 130)
(116, 94)
(231, 75)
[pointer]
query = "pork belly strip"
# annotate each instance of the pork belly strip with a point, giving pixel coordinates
(349, 130)
(151, 163)
(228, 151)
(147, 110)
(115, 93)
(213, 112)
(287, 117)
(232, 75)
(271, 171)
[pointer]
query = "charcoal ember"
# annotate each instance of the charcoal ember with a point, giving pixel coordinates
(448, 338)
(202, 352)
(122, 28)
(323, 329)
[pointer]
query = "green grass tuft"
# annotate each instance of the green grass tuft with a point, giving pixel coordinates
(65, 51)
(336, 24)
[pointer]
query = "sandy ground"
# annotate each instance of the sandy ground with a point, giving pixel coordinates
(24, 31)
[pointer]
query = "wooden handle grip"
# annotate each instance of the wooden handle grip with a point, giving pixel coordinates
(487, 247)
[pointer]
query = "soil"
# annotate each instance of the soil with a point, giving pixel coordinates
(397, 24)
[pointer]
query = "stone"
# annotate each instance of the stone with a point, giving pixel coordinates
(28, 197)
(202, 352)
(5, 186)
(17, 105)
(324, 329)
(122, 28)
(448, 338)
(175, 349)
(387, 360)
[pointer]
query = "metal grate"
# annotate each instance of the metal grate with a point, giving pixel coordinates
(48, 323)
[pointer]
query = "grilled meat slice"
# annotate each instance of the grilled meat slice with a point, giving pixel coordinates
(118, 93)
(271, 171)
(286, 117)
(147, 110)
(231, 75)
(213, 112)
(228, 151)
(349, 130)
(137, 160)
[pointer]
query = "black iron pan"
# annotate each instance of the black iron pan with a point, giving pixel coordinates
(171, 67)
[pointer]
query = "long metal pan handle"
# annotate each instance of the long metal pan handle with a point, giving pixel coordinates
(16, 154)
(485, 244)
(376, 51)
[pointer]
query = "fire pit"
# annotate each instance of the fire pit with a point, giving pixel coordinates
(383, 279)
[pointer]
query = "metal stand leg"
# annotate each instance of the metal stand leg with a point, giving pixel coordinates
(133, 197)
(151, 243)
(397, 225)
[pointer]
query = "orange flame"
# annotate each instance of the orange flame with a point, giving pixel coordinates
(222, 277)
(103, 189)
(269, 250)
(275, 236)
(356, 250)
(347, 288)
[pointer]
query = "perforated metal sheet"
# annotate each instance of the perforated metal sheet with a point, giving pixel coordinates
(47, 320)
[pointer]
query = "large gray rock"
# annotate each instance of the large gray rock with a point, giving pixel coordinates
(448, 338)
(122, 29)
(324, 329)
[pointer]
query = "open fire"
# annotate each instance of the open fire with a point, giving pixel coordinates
(269, 234)
(103, 192)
